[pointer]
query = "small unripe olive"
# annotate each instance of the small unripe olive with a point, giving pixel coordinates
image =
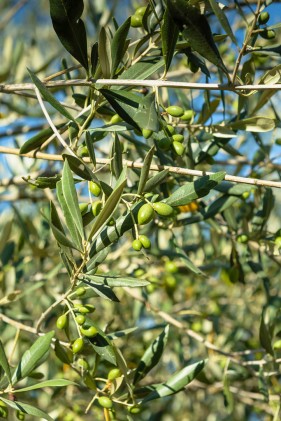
(20, 415)
(164, 143)
(134, 409)
(243, 238)
(170, 129)
(188, 115)
(61, 321)
(80, 291)
(145, 241)
(246, 194)
(278, 141)
(115, 119)
(277, 241)
(175, 111)
(83, 208)
(178, 148)
(136, 21)
(77, 345)
(105, 402)
(83, 363)
(137, 245)
(178, 138)
(95, 188)
(96, 207)
(163, 209)
(146, 133)
(114, 373)
(140, 11)
(111, 222)
(145, 214)
(263, 18)
(80, 319)
(267, 34)
(3, 410)
(83, 151)
(277, 344)
(170, 282)
(88, 308)
(89, 332)
(171, 267)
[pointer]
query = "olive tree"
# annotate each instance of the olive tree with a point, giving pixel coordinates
(140, 233)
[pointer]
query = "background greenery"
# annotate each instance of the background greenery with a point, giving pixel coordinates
(207, 291)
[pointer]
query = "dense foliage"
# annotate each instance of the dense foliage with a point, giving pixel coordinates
(140, 233)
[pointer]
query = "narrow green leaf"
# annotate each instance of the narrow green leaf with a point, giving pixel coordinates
(265, 336)
(32, 357)
(121, 333)
(143, 69)
(76, 237)
(36, 141)
(188, 262)
(219, 205)
(146, 117)
(108, 209)
(196, 30)
(47, 383)
(103, 291)
(90, 146)
(254, 124)
(48, 96)
(70, 29)
(61, 238)
(4, 363)
(175, 383)
(118, 45)
(116, 155)
(155, 180)
(222, 19)
(94, 58)
(79, 167)
(152, 355)
(70, 195)
(169, 36)
(102, 344)
(64, 354)
(27, 409)
(193, 190)
(145, 170)
(116, 281)
(104, 48)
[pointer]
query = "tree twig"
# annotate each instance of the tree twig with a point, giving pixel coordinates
(153, 167)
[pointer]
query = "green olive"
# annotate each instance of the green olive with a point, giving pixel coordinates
(105, 402)
(170, 129)
(187, 115)
(61, 321)
(163, 209)
(137, 245)
(96, 207)
(134, 409)
(83, 364)
(278, 141)
(140, 11)
(164, 143)
(175, 111)
(83, 151)
(95, 188)
(80, 291)
(171, 267)
(277, 241)
(145, 241)
(268, 34)
(243, 238)
(77, 345)
(83, 208)
(115, 119)
(145, 214)
(170, 282)
(20, 415)
(114, 373)
(263, 18)
(3, 410)
(89, 332)
(88, 308)
(136, 21)
(146, 133)
(178, 138)
(80, 319)
(178, 148)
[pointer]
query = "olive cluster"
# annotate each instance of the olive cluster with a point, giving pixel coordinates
(265, 32)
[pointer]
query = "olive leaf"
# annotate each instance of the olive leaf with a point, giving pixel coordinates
(169, 36)
(70, 29)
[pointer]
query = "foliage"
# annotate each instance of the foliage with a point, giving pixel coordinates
(139, 243)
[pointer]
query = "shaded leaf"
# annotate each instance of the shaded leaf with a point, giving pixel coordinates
(175, 383)
(102, 290)
(70, 29)
(4, 363)
(27, 409)
(46, 94)
(104, 48)
(155, 180)
(222, 19)
(90, 146)
(169, 36)
(118, 45)
(151, 356)
(116, 155)
(193, 190)
(253, 124)
(265, 336)
(146, 117)
(32, 357)
(36, 141)
(145, 170)
(79, 167)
